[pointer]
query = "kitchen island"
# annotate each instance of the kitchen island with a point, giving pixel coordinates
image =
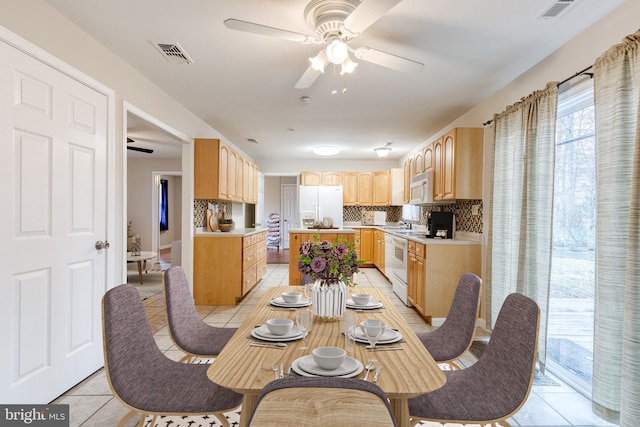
(298, 236)
(227, 265)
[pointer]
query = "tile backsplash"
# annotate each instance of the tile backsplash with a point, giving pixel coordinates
(463, 210)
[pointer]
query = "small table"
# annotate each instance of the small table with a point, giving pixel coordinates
(143, 257)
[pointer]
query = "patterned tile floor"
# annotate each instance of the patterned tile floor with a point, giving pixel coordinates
(92, 403)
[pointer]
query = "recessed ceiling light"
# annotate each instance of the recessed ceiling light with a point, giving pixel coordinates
(326, 150)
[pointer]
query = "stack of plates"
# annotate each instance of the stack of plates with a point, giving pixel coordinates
(389, 336)
(279, 302)
(263, 333)
(370, 306)
(307, 367)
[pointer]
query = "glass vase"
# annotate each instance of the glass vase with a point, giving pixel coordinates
(328, 299)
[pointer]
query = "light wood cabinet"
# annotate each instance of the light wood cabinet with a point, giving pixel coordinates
(378, 249)
(382, 188)
(415, 275)
(366, 245)
(457, 165)
(433, 275)
(226, 268)
(357, 188)
(320, 178)
(331, 178)
(418, 161)
(222, 174)
(427, 155)
(311, 178)
(296, 239)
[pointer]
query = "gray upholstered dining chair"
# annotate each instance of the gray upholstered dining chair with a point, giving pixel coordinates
(454, 337)
(498, 384)
(142, 377)
(188, 331)
(320, 402)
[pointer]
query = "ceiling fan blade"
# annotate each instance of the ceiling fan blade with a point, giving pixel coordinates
(368, 12)
(142, 150)
(263, 30)
(308, 78)
(388, 60)
(129, 140)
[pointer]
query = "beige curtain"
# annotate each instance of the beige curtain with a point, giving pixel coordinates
(522, 200)
(616, 373)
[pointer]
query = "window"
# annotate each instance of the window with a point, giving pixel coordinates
(571, 303)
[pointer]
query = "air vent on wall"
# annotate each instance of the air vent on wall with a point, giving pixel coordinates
(173, 52)
(555, 9)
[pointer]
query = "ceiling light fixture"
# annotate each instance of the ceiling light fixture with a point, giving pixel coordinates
(337, 52)
(326, 150)
(384, 150)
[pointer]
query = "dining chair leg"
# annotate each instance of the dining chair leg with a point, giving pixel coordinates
(223, 420)
(126, 417)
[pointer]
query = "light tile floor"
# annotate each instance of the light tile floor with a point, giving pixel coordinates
(92, 403)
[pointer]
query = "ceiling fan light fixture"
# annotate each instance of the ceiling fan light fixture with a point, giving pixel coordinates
(382, 151)
(348, 66)
(337, 51)
(326, 150)
(319, 62)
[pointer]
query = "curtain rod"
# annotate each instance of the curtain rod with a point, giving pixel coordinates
(579, 73)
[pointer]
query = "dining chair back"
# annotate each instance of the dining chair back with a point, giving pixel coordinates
(142, 377)
(498, 384)
(454, 337)
(321, 402)
(187, 330)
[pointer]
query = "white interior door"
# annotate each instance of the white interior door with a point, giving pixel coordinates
(53, 166)
(289, 211)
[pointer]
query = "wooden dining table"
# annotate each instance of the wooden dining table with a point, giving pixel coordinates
(246, 370)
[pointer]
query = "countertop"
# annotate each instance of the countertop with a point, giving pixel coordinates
(417, 235)
(236, 232)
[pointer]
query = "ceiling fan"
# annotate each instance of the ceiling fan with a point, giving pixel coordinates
(140, 149)
(335, 23)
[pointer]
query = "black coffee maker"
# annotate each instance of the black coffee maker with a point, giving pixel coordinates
(443, 222)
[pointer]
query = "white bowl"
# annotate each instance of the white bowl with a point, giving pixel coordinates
(361, 299)
(279, 326)
(328, 357)
(374, 323)
(291, 297)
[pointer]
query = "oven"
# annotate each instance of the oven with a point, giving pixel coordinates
(399, 263)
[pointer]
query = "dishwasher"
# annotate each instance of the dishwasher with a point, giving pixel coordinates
(388, 255)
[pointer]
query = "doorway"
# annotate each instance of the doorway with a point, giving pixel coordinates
(154, 153)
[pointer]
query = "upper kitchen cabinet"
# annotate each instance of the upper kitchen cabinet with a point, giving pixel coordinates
(457, 165)
(222, 174)
(382, 188)
(427, 158)
(320, 178)
(358, 188)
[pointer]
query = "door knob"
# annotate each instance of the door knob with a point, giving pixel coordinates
(102, 245)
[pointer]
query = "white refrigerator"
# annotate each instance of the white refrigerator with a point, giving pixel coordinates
(319, 202)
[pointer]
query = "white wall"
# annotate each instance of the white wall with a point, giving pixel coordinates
(139, 196)
(276, 167)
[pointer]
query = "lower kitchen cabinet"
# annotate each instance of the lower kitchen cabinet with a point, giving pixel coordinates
(436, 273)
(226, 268)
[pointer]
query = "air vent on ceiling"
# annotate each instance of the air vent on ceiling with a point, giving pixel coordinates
(252, 140)
(555, 9)
(173, 52)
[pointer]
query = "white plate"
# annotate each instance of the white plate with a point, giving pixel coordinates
(389, 336)
(279, 302)
(262, 333)
(370, 306)
(312, 370)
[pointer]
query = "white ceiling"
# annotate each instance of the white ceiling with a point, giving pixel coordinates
(242, 84)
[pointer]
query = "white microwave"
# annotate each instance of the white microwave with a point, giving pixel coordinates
(421, 189)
